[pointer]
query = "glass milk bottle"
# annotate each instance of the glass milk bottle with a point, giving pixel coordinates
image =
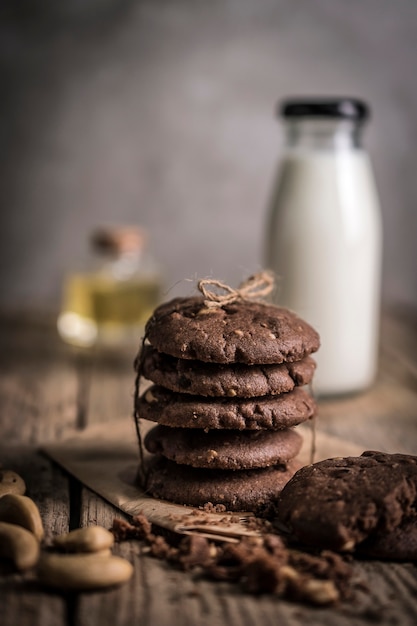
(324, 238)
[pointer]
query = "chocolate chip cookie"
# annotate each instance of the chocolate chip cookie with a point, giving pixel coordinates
(223, 449)
(241, 332)
(250, 490)
(365, 503)
(182, 410)
(234, 379)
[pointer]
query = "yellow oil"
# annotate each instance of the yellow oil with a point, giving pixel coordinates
(99, 309)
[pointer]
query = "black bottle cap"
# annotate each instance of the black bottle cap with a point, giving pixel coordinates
(339, 108)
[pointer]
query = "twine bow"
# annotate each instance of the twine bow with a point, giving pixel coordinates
(254, 288)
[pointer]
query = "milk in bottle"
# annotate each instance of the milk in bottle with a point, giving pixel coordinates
(324, 238)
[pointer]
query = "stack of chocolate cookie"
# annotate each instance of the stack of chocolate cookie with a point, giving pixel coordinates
(227, 391)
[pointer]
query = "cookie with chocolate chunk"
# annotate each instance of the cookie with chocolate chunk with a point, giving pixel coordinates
(365, 503)
(235, 379)
(182, 410)
(242, 332)
(224, 449)
(252, 490)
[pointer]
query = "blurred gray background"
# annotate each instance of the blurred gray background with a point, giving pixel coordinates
(161, 113)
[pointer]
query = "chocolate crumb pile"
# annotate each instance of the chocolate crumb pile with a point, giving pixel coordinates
(262, 564)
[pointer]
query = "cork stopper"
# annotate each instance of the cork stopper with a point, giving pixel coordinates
(118, 239)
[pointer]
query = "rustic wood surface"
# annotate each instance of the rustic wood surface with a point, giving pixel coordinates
(49, 390)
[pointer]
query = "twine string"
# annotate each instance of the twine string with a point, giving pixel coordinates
(142, 474)
(256, 287)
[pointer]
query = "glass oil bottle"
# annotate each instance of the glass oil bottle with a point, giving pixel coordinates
(110, 303)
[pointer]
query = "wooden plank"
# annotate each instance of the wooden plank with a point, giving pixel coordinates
(46, 484)
(23, 602)
(126, 604)
(38, 403)
(384, 417)
(38, 385)
(111, 386)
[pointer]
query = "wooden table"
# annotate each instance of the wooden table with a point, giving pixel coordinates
(49, 390)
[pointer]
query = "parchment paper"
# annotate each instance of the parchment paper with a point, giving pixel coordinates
(105, 458)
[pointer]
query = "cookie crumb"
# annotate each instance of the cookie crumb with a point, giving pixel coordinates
(260, 564)
(140, 528)
(194, 551)
(209, 507)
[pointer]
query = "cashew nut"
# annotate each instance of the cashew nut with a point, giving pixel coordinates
(21, 510)
(83, 571)
(321, 592)
(314, 590)
(88, 539)
(104, 552)
(10, 482)
(18, 545)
